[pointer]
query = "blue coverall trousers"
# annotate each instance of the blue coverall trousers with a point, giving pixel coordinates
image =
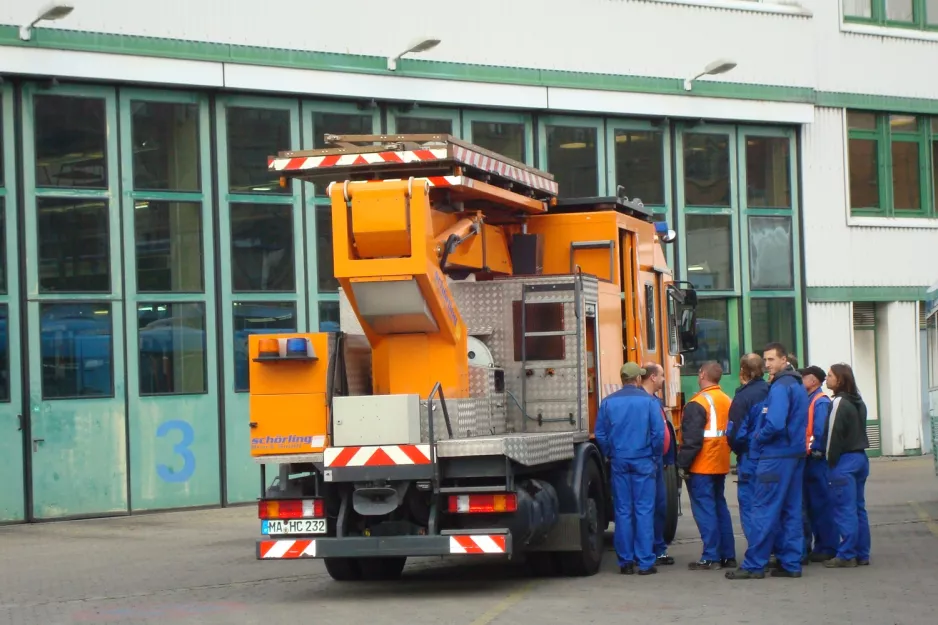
(820, 534)
(745, 474)
(847, 483)
(661, 510)
(712, 515)
(776, 519)
(633, 484)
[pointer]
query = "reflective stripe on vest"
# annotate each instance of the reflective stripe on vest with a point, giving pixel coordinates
(809, 433)
(712, 422)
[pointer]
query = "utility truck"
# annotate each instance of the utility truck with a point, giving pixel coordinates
(483, 320)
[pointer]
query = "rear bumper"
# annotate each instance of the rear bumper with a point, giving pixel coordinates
(384, 546)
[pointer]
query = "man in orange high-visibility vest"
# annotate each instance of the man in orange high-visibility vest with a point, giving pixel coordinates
(821, 539)
(704, 460)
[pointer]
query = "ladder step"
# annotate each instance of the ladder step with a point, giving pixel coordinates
(553, 333)
(550, 400)
(473, 489)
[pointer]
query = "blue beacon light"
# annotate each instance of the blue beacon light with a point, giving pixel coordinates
(297, 347)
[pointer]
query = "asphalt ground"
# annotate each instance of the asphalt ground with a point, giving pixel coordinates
(200, 567)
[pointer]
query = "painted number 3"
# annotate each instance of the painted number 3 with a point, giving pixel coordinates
(187, 436)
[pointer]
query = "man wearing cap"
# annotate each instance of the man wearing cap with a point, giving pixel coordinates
(630, 433)
(821, 538)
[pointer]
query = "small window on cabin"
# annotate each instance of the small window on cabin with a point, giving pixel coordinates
(651, 332)
(539, 317)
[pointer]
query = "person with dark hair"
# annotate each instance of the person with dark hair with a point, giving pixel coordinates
(820, 536)
(777, 448)
(745, 409)
(849, 468)
(630, 433)
(704, 461)
(653, 382)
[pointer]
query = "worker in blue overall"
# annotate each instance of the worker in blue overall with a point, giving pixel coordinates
(821, 538)
(778, 449)
(653, 382)
(630, 433)
(747, 405)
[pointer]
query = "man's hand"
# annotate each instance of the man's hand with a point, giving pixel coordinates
(683, 474)
(817, 454)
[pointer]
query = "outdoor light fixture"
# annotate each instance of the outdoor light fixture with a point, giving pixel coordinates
(49, 13)
(421, 45)
(720, 66)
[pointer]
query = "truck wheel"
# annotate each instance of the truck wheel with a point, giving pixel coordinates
(673, 499)
(587, 561)
(343, 569)
(382, 569)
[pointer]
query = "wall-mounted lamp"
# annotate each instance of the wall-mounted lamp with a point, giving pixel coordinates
(49, 13)
(720, 66)
(421, 45)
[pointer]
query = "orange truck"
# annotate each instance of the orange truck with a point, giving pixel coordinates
(483, 320)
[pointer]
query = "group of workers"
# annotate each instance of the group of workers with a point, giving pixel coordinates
(801, 465)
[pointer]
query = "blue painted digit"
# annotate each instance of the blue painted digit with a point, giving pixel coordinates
(167, 473)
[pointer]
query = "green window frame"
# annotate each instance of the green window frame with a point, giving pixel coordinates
(470, 116)
(592, 123)
(883, 138)
(921, 19)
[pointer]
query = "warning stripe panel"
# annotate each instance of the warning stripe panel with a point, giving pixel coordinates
(340, 160)
(477, 544)
(376, 456)
(286, 549)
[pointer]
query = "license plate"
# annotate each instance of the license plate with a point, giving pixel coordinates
(293, 526)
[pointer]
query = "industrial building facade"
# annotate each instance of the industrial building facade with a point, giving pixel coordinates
(142, 239)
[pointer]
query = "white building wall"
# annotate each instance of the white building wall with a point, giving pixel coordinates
(838, 253)
(830, 333)
(900, 391)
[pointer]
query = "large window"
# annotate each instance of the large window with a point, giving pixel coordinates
(713, 336)
(573, 159)
(919, 14)
(892, 164)
(77, 350)
(773, 320)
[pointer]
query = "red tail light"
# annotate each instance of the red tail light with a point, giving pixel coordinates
(290, 509)
(480, 504)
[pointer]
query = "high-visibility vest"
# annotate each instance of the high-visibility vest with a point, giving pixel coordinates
(809, 433)
(714, 456)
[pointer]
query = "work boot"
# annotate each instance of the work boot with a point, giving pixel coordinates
(820, 557)
(729, 563)
(651, 571)
(744, 574)
(627, 569)
(704, 565)
(840, 563)
(664, 560)
(773, 561)
(780, 572)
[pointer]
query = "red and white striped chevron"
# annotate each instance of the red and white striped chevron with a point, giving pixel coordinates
(376, 456)
(287, 549)
(478, 544)
(343, 160)
(487, 163)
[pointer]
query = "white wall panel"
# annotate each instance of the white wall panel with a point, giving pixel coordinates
(603, 36)
(897, 355)
(830, 333)
(838, 254)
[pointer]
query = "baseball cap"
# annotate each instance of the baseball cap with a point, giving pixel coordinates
(631, 370)
(815, 371)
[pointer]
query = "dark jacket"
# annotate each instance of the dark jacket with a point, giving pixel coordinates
(847, 428)
(629, 425)
(780, 429)
(745, 409)
(693, 424)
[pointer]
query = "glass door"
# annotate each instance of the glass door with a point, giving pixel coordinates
(77, 402)
(708, 208)
(263, 258)
(12, 425)
(170, 280)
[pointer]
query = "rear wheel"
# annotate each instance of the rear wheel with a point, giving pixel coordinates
(343, 569)
(587, 561)
(673, 499)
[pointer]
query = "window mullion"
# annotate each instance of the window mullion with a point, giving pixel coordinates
(885, 164)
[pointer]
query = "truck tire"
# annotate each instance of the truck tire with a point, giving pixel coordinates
(587, 561)
(343, 569)
(382, 569)
(673, 499)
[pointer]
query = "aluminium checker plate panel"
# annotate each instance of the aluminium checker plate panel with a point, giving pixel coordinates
(527, 449)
